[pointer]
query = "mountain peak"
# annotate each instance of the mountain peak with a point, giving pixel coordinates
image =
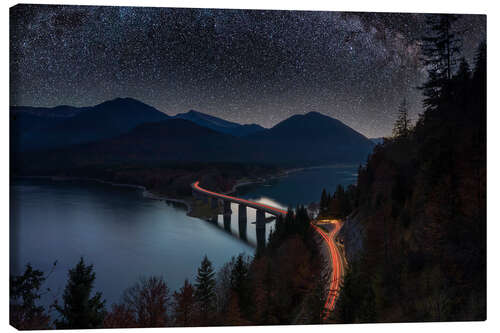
(122, 101)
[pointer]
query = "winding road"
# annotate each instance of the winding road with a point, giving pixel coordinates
(335, 261)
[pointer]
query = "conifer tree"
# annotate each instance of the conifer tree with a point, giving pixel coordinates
(323, 204)
(24, 292)
(80, 310)
(240, 282)
(205, 291)
(441, 49)
(402, 125)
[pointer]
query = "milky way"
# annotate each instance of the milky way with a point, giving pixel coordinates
(241, 65)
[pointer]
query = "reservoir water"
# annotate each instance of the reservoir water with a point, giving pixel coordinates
(126, 235)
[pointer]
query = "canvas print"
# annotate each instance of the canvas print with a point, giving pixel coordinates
(211, 167)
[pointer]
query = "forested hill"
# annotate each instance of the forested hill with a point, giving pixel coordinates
(420, 206)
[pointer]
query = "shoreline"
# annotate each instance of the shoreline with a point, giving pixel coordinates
(145, 192)
(155, 196)
(283, 173)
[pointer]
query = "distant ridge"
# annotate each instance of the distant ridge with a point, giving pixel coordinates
(301, 140)
(218, 124)
(40, 128)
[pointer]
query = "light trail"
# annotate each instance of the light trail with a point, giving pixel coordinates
(335, 263)
(253, 204)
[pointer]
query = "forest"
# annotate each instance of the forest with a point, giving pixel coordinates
(421, 201)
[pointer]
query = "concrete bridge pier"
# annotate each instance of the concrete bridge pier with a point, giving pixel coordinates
(261, 238)
(227, 207)
(242, 221)
(242, 213)
(242, 230)
(227, 222)
(261, 219)
(260, 229)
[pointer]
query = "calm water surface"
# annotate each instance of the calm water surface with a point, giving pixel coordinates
(126, 235)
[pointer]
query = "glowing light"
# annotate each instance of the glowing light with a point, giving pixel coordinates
(273, 210)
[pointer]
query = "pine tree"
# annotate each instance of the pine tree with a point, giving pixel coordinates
(205, 291)
(24, 292)
(240, 283)
(440, 48)
(402, 125)
(323, 204)
(80, 311)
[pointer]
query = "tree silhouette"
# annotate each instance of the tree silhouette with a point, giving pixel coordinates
(440, 49)
(24, 292)
(205, 291)
(402, 125)
(184, 305)
(240, 283)
(149, 300)
(80, 311)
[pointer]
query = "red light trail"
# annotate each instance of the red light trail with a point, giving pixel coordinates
(335, 264)
(239, 200)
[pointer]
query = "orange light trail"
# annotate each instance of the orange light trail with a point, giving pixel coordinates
(335, 264)
(252, 203)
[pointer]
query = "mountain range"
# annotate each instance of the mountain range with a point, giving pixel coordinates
(125, 130)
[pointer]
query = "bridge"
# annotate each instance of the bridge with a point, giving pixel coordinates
(215, 199)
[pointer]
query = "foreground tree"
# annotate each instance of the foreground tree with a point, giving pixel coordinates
(148, 300)
(24, 292)
(440, 49)
(184, 305)
(120, 316)
(80, 311)
(240, 283)
(205, 292)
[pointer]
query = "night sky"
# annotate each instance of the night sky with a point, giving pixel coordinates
(241, 65)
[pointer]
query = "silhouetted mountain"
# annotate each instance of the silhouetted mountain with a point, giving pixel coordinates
(172, 140)
(62, 111)
(37, 128)
(312, 138)
(218, 124)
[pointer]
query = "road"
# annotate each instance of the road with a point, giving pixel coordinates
(269, 209)
(335, 259)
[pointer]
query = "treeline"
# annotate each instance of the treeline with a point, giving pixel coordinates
(339, 204)
(421, 201)
(282, 284)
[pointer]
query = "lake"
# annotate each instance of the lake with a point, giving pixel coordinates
(126, 235)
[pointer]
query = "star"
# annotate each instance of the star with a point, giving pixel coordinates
(248, 66)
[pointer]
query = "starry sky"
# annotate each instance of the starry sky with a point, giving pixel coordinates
(246, 66)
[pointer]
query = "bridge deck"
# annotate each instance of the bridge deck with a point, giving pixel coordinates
(268, 209)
